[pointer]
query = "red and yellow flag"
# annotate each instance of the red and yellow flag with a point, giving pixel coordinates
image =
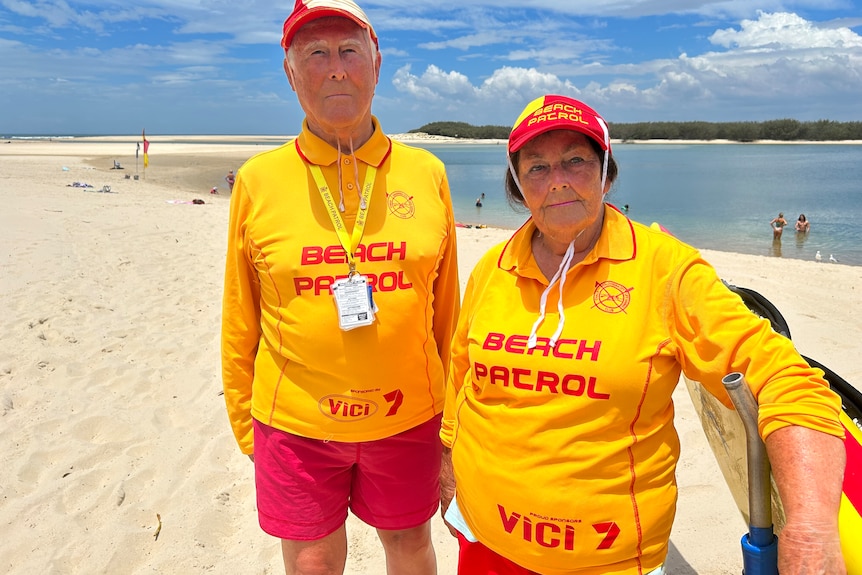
(146, 148)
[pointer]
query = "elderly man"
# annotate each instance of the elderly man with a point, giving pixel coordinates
(341, 296)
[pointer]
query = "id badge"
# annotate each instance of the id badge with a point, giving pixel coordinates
(353, 302)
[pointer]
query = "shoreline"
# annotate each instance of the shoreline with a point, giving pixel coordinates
(191, 165)
(407, 138)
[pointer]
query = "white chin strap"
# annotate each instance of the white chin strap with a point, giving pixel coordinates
(560, 275)
(567, 257)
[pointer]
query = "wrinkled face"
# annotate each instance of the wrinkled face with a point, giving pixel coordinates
(560, 176)
(333, 65)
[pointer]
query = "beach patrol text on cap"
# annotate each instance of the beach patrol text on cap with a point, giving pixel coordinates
(558, 113)
(307, 10)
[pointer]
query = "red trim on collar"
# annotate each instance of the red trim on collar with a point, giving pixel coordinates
(388, 152)
(508, 243)
(299, 151)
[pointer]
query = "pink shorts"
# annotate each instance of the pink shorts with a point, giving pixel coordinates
(305, 486)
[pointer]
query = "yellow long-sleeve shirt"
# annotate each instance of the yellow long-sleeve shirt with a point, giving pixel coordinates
(564, 458)
(285, 361)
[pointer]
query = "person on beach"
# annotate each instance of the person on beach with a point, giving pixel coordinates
(230, 178)
(778, 224)
(340, 300)
(802, 224)
(559, 444)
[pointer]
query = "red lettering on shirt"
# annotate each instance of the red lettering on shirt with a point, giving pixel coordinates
(494, 341)
(384, 282)
(543, 539)
(611, 531)
(499, 375)
(516, 344)
(547, 379)
(565, 349)
(540, 381)
(593, 350)
(545, 533)
(509, 522)
(312, 255)
(480, 370)
(335, 254)
(517, 373)
(344, 408)
(396, 398)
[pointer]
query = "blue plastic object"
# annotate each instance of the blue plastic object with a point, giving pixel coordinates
(759, 552)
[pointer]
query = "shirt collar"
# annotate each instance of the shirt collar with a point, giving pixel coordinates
(314, 150)
(616, 242)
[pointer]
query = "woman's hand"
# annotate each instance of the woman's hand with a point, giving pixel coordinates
(810, 549)
(808, 467)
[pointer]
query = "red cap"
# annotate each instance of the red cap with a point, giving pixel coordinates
(558, 113)
(307, 10)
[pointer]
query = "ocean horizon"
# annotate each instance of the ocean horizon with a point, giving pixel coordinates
(718, 197)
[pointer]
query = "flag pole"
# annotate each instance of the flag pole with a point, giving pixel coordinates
(146, 152)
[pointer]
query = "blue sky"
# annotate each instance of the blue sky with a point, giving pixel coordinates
(215, 67)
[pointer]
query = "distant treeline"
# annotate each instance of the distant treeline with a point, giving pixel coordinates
(783, 130)
(464, 130)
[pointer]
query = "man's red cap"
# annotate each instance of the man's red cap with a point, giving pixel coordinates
(307, 10)
(558, 113)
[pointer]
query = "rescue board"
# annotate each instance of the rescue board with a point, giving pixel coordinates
(726, 437)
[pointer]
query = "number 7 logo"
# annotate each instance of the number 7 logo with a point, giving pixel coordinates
(611, 532)
(396, 398)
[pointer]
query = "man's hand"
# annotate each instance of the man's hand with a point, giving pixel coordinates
(447, 487)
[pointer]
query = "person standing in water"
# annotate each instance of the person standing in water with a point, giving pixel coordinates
(778, 224)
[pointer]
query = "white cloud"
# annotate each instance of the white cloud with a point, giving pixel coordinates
(562, 50)
(516, 84)
(464, 42)
(779, 60)
(434, 85)
(784, 31)
(439, 94)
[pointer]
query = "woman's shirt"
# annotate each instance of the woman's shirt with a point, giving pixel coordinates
(565, 457)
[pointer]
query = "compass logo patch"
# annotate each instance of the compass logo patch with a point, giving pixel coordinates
(401, 205)
(612, 297)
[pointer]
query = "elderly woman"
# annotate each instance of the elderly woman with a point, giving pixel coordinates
(559, 445)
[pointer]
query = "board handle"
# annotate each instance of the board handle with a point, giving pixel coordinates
(759, 484)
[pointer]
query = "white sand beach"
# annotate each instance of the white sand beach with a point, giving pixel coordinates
(117, 454)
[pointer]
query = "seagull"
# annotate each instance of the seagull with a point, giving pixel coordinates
(818, 257)
(832, 259)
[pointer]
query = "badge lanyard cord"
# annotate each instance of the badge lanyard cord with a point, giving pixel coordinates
(348, 243)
